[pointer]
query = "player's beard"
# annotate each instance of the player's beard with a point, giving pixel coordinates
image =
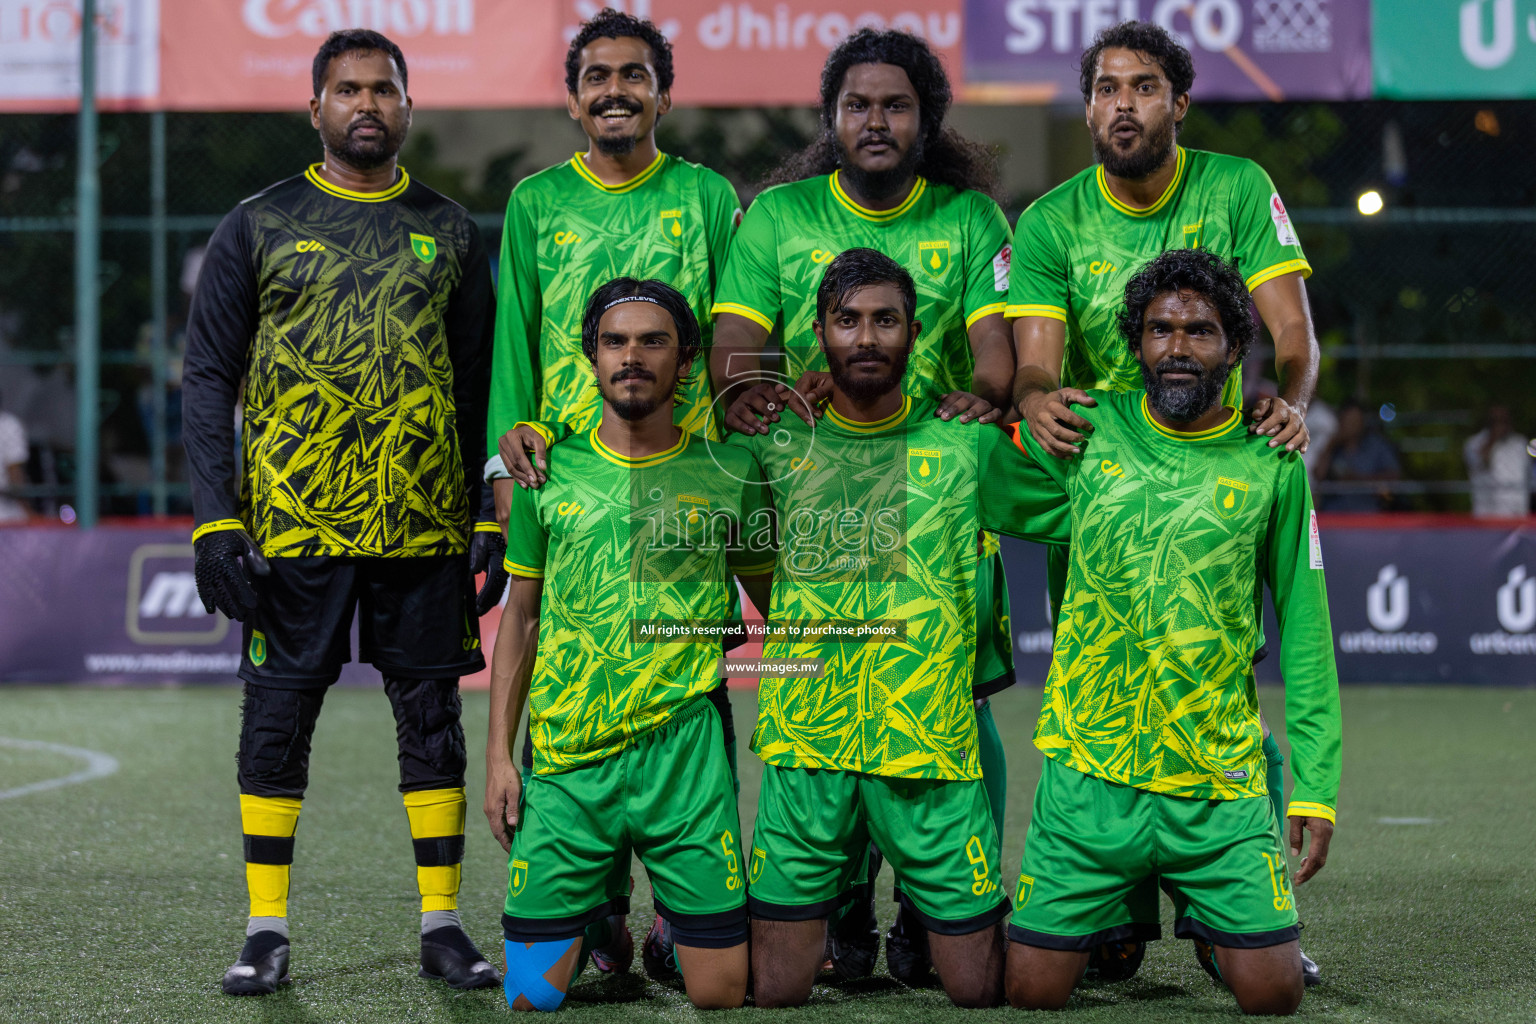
(1184, 403)
(364, 156)
(866, 389)
(1150, 152)
(633, 409)
(615, 145)
(879, 185)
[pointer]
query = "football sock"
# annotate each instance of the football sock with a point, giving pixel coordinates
(437, 834)
(598, 934)
(432, 920)
(268, 824)
(1274, 779)
(267, 924)
(994, 765)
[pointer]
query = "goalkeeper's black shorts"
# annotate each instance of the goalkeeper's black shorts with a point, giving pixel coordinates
(415, 619)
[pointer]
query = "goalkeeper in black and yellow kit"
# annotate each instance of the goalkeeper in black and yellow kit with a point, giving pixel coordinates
(356, 306)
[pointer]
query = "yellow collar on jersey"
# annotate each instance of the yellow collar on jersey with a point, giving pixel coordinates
(878, 216)
(623, 186)
(877, 425)
(313, 174)
(1224, 427)
(1143, 211)
(648, 460)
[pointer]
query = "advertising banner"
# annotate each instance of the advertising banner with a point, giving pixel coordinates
(40, 54)
(1027, 50)
(1454, 49)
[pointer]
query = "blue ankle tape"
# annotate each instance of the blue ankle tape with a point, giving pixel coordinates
(527, 963)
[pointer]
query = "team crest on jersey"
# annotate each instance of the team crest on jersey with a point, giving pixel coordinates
(672, 223)
(424, 246)
(759, 858)
(692, 514)
(923, 465)
(519, 879)
(934, 257)
(1022, 894)
(258, 647)
(1229, 497)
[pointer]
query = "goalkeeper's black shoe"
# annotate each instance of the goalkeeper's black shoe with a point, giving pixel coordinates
(1115, 961)
(906, 950)
(853, 941)
(1311, 974)
(263, 965)
(447, 953)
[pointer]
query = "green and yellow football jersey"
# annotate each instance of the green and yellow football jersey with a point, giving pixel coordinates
(876, 576)
(1173, 537)
(566, 233)
(630, 549)
(954, 243)
(1078, 246)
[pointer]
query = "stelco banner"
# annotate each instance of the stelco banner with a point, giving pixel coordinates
(1433, 604)
(256, 54)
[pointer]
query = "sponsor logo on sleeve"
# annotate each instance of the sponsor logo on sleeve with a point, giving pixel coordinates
(1002, 263)
(1315, 542)
(1283, 229)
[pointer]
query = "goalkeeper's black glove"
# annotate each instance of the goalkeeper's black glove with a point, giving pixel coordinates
(487, 552)
(225, 561)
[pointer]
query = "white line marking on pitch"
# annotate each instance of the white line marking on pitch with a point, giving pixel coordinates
(97, 765)
(1407, 821)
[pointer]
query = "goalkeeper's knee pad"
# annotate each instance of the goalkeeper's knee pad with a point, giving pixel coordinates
(529, 964)
(275, 729)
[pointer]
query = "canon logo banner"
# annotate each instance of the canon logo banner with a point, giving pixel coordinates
(398, 19)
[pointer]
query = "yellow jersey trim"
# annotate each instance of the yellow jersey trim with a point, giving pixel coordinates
(522, 570)
(878, 216)
(1054, 312)
(1307, 809)
(313, 174)
(878, 425)
(217, 526)
(740, 310)
(487, 527)
(649, 460)
(1279, 270)
(987, 310)
(1138, 211)
(1234, 418)
(623, 186)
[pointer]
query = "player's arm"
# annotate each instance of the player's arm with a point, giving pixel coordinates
(992, 349)
(1293, 563)
(220, 326)
(517, 644)
(1282, 304)
(755, 548)
(1038, 295)
(988, 255)
(512, 660)
(1022, 491)
(516, 374)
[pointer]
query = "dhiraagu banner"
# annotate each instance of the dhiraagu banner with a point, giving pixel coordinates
(1454, 49)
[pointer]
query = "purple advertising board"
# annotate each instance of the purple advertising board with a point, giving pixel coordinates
(1026, 51)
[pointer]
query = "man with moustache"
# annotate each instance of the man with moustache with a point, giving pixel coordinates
(355, 304)
(1079, 244)
(640, 526)
(1154, 767)
(888, 173)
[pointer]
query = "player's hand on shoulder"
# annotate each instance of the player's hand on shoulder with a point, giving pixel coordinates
(1317, 853)
(762, 404)
(522, 451)
(966, 407)
(1053, 424)
(225, 563)
(503, 800)
(1282, 423)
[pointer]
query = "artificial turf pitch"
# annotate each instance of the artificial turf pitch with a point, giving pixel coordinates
(123, 899)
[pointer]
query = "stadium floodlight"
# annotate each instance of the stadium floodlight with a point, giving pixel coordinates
(1370, 202)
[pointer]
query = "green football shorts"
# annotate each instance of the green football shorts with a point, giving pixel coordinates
(1096, 852)
(994, 634)
(813, 831)
(668, 798)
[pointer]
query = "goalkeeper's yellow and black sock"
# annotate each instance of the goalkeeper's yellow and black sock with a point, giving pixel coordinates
(268, 824)
(437, 834)
(1274, 779)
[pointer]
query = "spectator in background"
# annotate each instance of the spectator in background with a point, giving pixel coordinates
(13, 467)
(1358, 453)
(1498, 467)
